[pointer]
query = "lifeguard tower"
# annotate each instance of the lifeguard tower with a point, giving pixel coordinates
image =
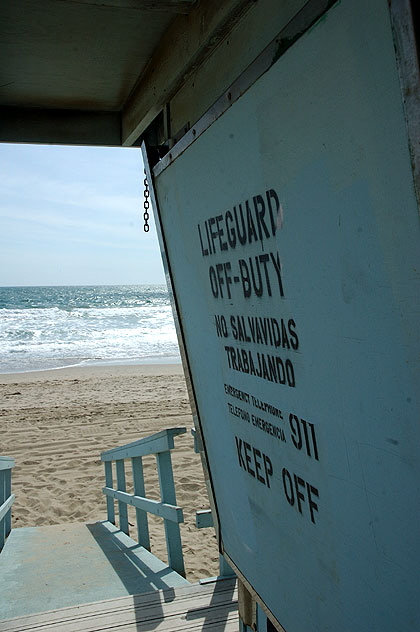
(281, 147)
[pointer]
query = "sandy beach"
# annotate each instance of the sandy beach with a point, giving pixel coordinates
(56, 423)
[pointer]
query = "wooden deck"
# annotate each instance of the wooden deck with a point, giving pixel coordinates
(54, 567)
(210, 606)
(87, 577)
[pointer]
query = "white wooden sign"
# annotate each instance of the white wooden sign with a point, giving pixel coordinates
(292, 234)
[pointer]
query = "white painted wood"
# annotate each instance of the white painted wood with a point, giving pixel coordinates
(6, 462)
(6, 506)
(158, 442)
(163, 510)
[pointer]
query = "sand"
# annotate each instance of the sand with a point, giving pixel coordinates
(56, 423)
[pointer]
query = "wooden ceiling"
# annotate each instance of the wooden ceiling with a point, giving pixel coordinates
(75, 63)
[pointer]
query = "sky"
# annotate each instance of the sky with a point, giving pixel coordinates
(74, 216)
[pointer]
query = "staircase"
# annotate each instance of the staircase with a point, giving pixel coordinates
(90, 577)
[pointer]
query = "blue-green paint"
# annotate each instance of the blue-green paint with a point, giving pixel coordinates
(6, 497)
(168, 495)
(141, 514)
(47, 568)
(122, 505)
(325, 129)
(160, 445)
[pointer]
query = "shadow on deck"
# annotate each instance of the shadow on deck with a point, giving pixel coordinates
(94, 577)
(45, 568)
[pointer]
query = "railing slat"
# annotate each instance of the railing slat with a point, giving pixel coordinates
(172, 532)
(122, 506)
(166, 511)
(6, 462)
(158, 442)
(6, 506)
(109, 482)
(2, 499)
(8, 494)
(139, 490)
(2, 486)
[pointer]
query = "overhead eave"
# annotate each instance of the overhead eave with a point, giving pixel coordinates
(98, 72)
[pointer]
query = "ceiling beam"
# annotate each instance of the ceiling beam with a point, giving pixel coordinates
(159, 6)
(188, 42)
(63, 127)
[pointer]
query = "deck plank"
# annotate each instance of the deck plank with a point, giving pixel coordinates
(211, 607)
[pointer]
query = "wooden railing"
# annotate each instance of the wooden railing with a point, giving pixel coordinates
(160, 445)
(6, 497)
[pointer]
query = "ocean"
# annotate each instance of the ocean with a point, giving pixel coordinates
(52, 327)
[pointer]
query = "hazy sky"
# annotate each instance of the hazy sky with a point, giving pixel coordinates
(74, 216)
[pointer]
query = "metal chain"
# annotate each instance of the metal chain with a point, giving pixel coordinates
(146, 204)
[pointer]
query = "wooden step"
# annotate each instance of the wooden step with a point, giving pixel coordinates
(211, 607)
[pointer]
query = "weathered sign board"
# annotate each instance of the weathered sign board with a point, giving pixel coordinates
(292, 235)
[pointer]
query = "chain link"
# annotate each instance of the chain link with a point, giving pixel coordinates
(146, 215)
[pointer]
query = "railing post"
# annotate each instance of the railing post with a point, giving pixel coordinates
(122, 507)
(2, 500)
(7, 494)
(172, 532)
(109, 482)
(139, 490)
(6, 497)
(224, 569)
